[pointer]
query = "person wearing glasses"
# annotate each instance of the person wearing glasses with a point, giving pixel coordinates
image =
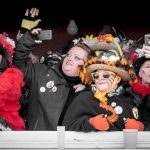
(111, 104)
(52, 88)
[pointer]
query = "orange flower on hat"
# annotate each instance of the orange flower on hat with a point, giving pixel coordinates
(105, 38)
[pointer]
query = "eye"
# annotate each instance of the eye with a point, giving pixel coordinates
(95, 75)
(68, 55)
(106, 74)
(77, 58)
(147, 67)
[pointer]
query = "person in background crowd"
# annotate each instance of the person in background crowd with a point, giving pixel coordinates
(111, 105)
(51, 88)
(142, 86)
(11, 83)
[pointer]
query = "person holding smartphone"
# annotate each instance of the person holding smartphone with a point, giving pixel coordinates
(146, 51)
(142, 86)
(111, 104)
(51, 88)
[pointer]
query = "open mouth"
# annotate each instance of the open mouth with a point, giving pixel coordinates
(68, 63)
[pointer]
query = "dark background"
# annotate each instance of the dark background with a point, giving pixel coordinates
(90, 16)
(89, 13)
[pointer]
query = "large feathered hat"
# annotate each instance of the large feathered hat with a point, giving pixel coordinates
(107, 55)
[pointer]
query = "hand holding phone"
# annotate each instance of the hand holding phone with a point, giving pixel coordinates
(147, 39)
(45, 35)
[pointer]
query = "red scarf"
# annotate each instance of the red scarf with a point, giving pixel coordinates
(139, 88)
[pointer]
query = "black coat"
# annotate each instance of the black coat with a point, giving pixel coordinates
(86, 106)
(48, 89)
(145, 108)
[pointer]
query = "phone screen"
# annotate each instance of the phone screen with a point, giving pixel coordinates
(45, 35)
(147, 39)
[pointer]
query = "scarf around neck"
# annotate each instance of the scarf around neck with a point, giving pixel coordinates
(139, 88)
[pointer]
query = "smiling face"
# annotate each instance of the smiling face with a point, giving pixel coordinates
(145, 73)
(104, 79)
(73, 61)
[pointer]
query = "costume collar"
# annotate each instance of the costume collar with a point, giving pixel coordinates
(139, 88)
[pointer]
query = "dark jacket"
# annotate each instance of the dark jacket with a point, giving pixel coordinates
(146, 112)
(86, 106)
(48, 89)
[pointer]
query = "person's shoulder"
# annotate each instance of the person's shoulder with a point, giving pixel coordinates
(41, 67)
(85, 93)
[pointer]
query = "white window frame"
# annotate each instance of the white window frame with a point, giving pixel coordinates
(73, 140)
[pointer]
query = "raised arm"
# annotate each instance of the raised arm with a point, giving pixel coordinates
(24, 47)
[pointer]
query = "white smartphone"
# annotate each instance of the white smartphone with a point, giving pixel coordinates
(45, 35)
(147, 39)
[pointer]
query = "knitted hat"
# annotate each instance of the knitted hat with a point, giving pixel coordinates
(83, 46)
(7, 46)
(139, 62)
(107, 55)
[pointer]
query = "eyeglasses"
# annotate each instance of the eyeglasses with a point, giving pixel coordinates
(105, 74)
(76, 57)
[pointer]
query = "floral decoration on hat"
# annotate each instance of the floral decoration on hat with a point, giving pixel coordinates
(109, 57)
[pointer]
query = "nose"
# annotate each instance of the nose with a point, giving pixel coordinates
(70, 58)
(100, 77)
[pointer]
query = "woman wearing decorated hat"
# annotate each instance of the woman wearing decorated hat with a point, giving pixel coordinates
(110, 106)
(11, 82)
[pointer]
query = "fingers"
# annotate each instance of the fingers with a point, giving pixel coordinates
(37, 21)
(146, 51)
(146, 47)
(79, 87)
(34, 12)
(37, 12)
(38, 41)
(147, 55)
(36, 31)
(27, 12)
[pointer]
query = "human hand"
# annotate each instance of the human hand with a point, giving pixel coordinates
(30, 20)
(35, 32)
(146, 50)
(133, 124)
(79, 87)
(99, 122)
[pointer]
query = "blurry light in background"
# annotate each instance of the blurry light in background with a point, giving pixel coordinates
(72, 28)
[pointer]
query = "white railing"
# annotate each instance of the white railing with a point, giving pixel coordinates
(72, 140)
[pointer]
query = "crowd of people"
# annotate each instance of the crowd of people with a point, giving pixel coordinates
(93, 87)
